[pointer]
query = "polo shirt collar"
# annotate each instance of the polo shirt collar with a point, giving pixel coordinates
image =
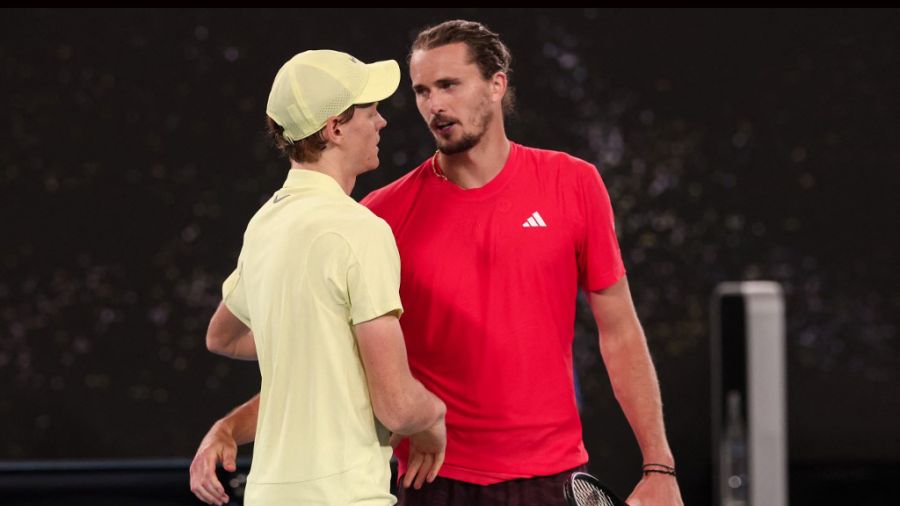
(304, 178)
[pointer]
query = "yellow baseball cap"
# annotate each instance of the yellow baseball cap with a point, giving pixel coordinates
(316, 85)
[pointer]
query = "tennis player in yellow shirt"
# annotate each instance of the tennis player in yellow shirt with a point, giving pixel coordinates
(315, 298)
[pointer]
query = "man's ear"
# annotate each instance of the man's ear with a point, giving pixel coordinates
(498, 84)
(332, 132)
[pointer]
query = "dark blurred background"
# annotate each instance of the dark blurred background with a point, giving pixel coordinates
(736, 145)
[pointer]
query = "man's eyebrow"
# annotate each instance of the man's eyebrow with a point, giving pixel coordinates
(440, 82)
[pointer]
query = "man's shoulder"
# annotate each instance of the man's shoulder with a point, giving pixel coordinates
(357, 225)
(406, 186)
(358, 216)
(558, 158)
(557, 164)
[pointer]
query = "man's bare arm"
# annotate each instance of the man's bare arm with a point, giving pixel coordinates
(400, 401)
(227, 335)
(635, 385)
(220, 446)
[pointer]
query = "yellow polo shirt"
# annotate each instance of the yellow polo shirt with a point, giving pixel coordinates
(313, 264)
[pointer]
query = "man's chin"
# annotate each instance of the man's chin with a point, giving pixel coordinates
(456, 147)
(371, 166)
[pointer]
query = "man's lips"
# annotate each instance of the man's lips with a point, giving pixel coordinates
(442, 127)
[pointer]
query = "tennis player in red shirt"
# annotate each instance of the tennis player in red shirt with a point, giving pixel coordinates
(495, 240)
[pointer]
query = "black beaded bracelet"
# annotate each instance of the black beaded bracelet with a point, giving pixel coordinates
(660, 471)
(658, 468)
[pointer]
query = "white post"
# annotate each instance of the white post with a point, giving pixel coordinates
(749, 395)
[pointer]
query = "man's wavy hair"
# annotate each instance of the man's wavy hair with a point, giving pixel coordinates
(485, 50)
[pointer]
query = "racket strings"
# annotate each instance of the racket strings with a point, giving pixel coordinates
(586, 494)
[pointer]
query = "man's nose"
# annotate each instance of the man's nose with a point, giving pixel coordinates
(436, 104)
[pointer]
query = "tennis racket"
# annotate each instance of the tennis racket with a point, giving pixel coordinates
(582, 489)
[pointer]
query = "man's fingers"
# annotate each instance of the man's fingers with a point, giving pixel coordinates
(209, 487)
(415, 462)
(204, 496)
(214, 490)
(426, 467)
(212, 483)
(204, 482)
(219, 494)
(206, 472)
(199, 476)
(436, 466)
(229, 454)
(202, 491)
(198, 491)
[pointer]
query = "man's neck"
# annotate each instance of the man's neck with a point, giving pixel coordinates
(329, 168)
(480, 164)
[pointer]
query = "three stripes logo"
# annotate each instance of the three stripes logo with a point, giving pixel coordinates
(534, 220)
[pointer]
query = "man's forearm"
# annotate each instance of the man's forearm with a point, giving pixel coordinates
(636, 388)
(241, 421)
(420, 411)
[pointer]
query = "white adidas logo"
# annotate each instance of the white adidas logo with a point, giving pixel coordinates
(534, 220)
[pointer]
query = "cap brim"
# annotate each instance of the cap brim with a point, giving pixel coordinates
(384, 78)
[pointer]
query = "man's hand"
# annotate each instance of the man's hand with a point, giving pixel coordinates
(426, 454)
(217, 446)
(656, 490)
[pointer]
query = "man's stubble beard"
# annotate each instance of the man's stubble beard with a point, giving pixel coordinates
(468, 140)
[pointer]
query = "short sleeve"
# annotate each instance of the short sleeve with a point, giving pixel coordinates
(599, 258)
(373, 276)
(234, 295)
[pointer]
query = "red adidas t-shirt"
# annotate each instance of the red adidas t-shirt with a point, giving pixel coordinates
(489, 278)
